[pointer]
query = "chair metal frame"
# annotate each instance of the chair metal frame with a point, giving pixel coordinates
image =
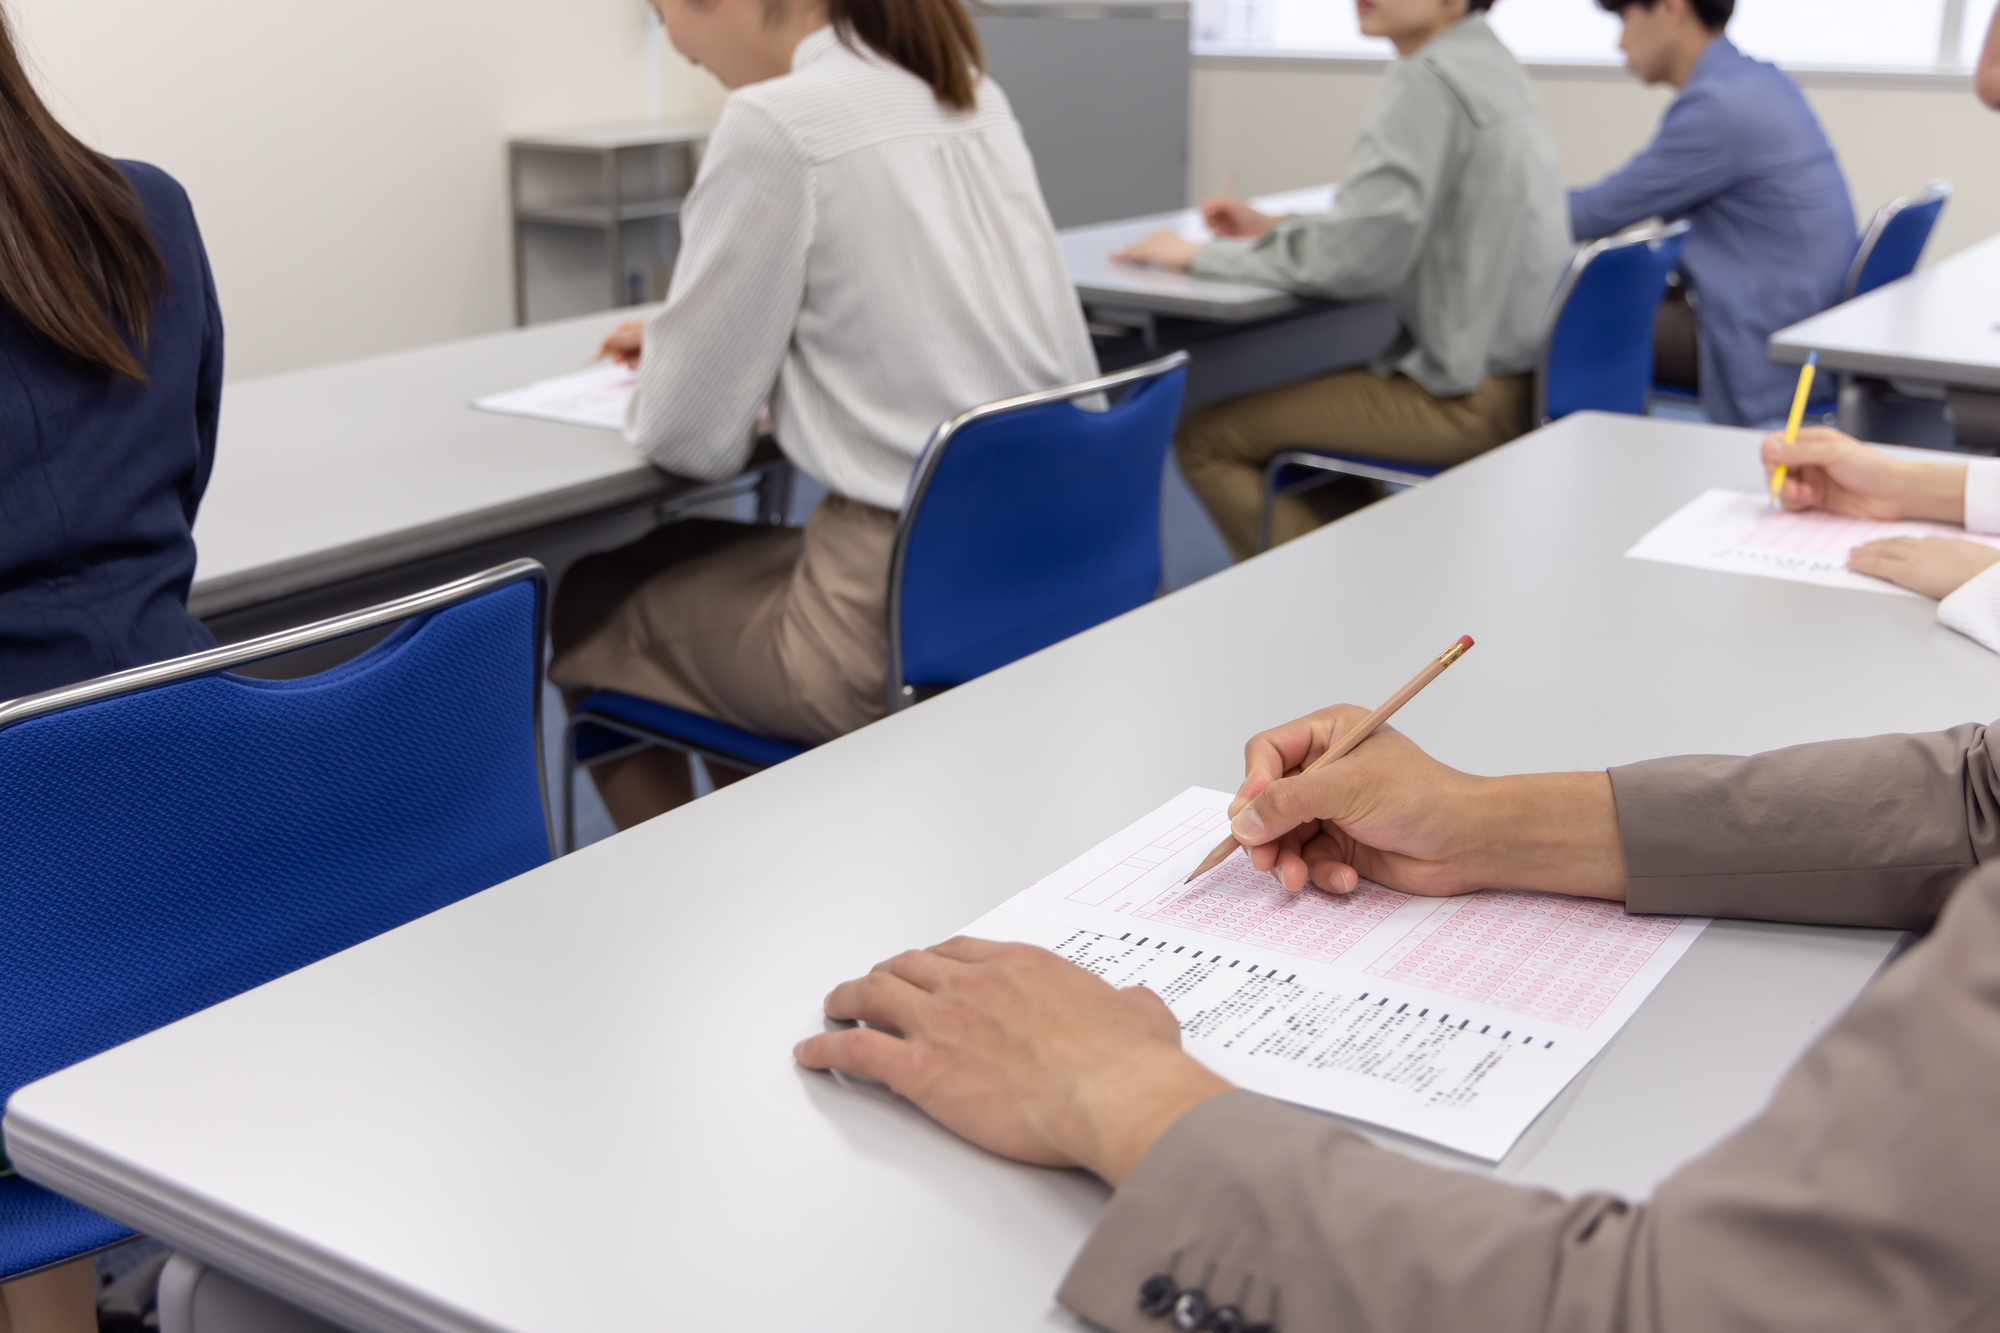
(901, 694)
(1935, 192)
(639, 740)
(1649, 234)
(177, 669)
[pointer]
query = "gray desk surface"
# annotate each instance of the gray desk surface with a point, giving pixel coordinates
(514, 1113)
(1940, 326)
(1129, 288)
(350, 469)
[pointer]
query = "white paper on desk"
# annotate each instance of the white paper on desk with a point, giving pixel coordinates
(1312, 199)
(592, 397)
(1455, 1020)
(1739, 533)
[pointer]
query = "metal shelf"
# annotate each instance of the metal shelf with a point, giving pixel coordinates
(593, 215)
(596, 215)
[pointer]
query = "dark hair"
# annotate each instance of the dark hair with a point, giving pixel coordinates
(933, 39)
(77, 263)
(1714, 14)
(1477, 6)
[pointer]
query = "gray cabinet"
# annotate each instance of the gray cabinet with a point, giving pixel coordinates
(597, 216)
(1101, 90)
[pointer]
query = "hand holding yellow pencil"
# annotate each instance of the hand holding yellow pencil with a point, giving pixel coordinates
(1792, 423)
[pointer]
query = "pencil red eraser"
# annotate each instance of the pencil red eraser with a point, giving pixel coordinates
(1465, 640)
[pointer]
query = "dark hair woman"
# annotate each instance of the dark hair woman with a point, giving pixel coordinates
(110, 378)
(867, 252)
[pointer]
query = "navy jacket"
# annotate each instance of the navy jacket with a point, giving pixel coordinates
(1742, 158)
(99, 477)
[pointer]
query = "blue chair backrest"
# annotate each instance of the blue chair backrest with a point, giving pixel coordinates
(181, 834)
(1029, 521)
(1597, 350)
(1895, 240)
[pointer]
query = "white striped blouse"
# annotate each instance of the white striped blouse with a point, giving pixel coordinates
(869, 262)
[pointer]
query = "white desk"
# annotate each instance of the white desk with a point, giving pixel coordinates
(1130, 288)
(1940, 326)
(1933, 335)
(371, 467)
(503, 1115)
(1241, 337)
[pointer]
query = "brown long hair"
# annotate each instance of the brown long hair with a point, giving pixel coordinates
(77, 263)
(933, 39)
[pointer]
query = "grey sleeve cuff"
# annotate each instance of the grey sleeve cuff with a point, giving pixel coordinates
(1872, 832)
(1302, 1223)
(1235, 261)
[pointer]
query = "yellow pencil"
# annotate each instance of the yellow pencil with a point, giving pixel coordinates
(1798, 415)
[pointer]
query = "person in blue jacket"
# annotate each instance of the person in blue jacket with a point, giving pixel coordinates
(110, 382)
(1742, 158)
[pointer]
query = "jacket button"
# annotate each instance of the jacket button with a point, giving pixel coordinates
(1225, 1319)
(1156, 1295)
(1190, 1309)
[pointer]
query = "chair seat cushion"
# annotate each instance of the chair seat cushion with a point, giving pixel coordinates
(39, 1228)
(664, 721)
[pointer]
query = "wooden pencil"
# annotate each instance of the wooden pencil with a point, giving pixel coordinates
(1432, 670)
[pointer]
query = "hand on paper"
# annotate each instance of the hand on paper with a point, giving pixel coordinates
(1391, 813)
(1934, 566)
(1022, 1052)
(1227, 216)
(1167, 250)
(1825, 469)
(623, 344)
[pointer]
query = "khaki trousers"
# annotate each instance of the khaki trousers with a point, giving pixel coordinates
(780, 631)
(1224, 447)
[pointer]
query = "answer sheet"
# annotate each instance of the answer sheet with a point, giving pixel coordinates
(595, 396)
(1455, 1020)
(1739, 533)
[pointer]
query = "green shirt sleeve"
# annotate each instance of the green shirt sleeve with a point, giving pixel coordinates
(1368, 243)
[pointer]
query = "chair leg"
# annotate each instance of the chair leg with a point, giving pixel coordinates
(568, 843)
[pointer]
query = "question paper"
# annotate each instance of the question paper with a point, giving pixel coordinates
(1455, 1020)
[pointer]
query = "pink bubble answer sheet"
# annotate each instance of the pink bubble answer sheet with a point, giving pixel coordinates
(1739, 533)
(1455, 1020)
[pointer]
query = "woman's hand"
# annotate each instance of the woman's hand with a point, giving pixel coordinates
(1391, 813)
(623, 344)
(1825, 469)
(1163, 249)
(1232, 217)
(1022, 1052)
(1934, 566)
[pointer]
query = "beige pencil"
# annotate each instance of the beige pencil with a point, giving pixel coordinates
(1346, 743)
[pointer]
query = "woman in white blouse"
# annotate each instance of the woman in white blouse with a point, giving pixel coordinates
(867, 251)
(1828, 470)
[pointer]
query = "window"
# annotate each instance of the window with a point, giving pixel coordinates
(1905, 35)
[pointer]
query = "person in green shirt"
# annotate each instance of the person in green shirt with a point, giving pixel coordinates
(1454, 209)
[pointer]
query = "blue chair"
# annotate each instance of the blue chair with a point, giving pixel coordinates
(1889, 249)
(1895, 240)
(176, 834)
(1026, 521)
(1597, 355)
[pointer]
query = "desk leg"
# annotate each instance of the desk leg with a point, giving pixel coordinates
(774, 493)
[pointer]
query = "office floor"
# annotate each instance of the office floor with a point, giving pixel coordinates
(1191, 550)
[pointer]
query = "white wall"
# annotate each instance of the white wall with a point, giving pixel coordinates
(1287, 123)
(347, 161)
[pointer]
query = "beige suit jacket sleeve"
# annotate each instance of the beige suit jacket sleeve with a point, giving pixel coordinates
(1865, 1197)
(1868, 832)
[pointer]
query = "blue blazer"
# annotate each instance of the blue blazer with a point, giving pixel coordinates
(99, 478)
